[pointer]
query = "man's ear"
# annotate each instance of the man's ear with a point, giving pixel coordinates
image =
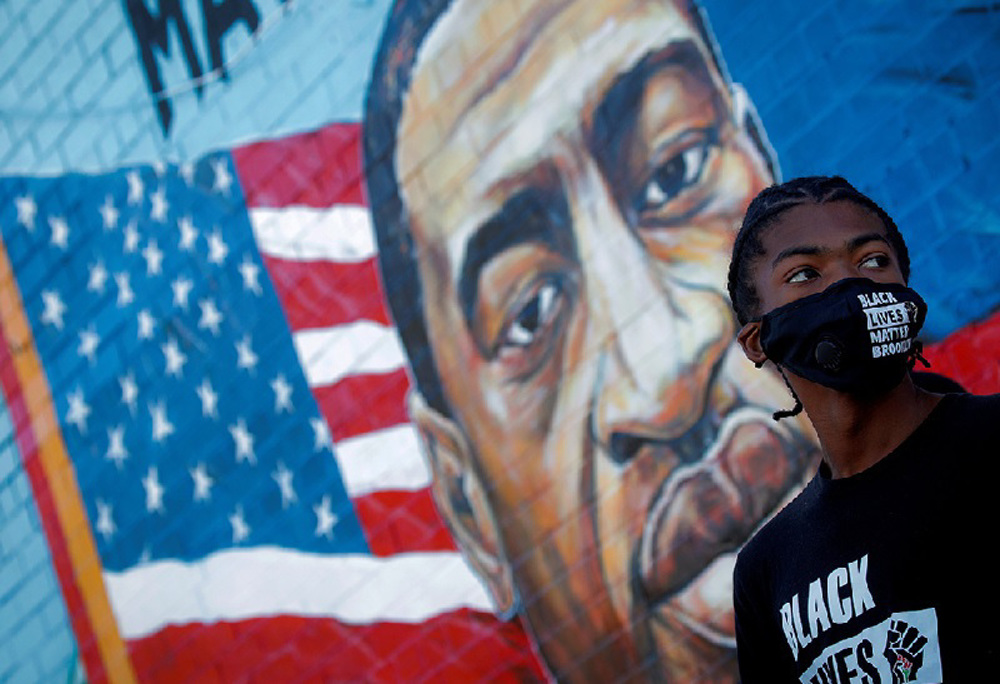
(461, 499)
(749, 339)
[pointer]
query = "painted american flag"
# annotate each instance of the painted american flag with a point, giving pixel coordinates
(230, 393)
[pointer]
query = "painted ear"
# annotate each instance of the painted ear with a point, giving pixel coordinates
(462, 500)
(749, 339)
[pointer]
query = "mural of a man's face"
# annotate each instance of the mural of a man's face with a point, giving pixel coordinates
(573, 175)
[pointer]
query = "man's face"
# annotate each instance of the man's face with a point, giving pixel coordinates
(811, 246)
(574, 173)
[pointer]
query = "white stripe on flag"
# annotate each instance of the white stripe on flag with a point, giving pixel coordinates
(331, 354)
(339, 233)
(239, 584)
(381, 460)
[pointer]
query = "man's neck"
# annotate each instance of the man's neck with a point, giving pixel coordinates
(857, 433)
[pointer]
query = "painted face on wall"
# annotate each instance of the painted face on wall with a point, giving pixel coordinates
(574, 174)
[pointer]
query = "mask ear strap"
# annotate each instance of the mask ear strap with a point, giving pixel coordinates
(795, 410)
(917, 355)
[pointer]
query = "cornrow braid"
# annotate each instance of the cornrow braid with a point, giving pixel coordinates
(764, 210)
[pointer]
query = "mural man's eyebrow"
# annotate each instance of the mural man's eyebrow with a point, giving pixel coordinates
(531, 215)
(617, 111)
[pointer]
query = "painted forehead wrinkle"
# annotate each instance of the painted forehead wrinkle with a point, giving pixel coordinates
(452, 65)
(545, 62)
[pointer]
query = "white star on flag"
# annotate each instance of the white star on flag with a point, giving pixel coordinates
(240, 528)
(283, 477)
(162, 427)
(321, 435)
(53, 309)
(174, 359)
(78, 411)
(202, 483)
(209, 399)
(186, 171)
(154, 491)
(158, 210)
(130, 392)
(182, 288)
(60, 231)
(135, 188)
(89, 341)
(250, 273)
(210, 316)
(109, 213)
(131, 240)
(97, 278)
(146, 325)
(246, 359)
(125, 294)
(282, 394)
(325, 519)
(223, 180)
(116, 445)
(188, 233)
(26, 211)
(243, 441)
(153, 257)
(105, 523)
(217, 248)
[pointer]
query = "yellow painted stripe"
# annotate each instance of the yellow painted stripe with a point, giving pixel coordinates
(70, 511)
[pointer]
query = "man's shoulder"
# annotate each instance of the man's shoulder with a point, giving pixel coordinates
(983, 402)
(972, 415)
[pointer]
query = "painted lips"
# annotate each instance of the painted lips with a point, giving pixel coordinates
(711, 507)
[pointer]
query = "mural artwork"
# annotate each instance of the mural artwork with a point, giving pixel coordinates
(376, 341)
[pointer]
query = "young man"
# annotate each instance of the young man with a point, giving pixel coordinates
(876, 572)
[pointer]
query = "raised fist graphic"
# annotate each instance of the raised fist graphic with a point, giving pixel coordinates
(904, 649)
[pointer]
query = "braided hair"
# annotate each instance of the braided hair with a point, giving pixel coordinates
(764, 211)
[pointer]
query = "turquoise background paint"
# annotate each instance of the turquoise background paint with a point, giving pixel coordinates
(36, 642)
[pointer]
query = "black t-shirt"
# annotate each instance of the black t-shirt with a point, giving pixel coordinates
(888, 575)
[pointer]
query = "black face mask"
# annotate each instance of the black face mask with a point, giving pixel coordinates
(857, 336)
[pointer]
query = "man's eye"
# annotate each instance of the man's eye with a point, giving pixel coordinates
(530, 321)
(674, 176)
(803, 275)
(875, 261)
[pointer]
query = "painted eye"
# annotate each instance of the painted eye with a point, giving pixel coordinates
(673, 177)
(532, 319)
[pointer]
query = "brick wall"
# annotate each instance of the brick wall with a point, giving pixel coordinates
(217, 451)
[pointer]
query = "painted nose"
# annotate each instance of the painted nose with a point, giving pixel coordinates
(659, 341)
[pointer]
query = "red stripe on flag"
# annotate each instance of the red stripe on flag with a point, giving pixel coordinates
(461, 646)
(401, 521)
(317, 169)
(360, 404)
(320, 294)
(971, 356)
